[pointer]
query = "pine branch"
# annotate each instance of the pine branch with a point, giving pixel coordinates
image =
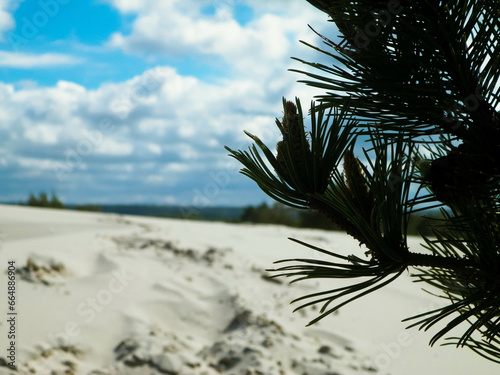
(428, 260)
(426, 75)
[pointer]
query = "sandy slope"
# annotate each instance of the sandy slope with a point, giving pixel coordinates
(109, 294)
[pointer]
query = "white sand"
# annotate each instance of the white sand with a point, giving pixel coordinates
(110, 294)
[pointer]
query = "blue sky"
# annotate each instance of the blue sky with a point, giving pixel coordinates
(132, 101)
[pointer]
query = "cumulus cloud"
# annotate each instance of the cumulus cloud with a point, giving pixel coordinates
(157, 123)
(175, 28)
(161, 133)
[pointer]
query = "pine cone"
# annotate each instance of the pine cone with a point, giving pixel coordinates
(459, 175)
(294, 140)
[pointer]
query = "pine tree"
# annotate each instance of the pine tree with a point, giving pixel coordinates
(43, 201)
(55, 202)
(415, 86)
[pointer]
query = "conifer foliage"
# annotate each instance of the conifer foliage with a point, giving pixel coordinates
(406, 118)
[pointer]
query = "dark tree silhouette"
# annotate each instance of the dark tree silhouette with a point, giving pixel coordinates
(43, 201)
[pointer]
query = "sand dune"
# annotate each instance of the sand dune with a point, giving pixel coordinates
(110, 294)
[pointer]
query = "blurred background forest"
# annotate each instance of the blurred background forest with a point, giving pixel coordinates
(264, 213)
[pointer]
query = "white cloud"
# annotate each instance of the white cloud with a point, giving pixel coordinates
(129, 5)
(154, 148)
(177, 28)
(26, 84)
(110, 147)
(159, 122)
(43, 134)
(34, 163)
(155, 179)
(175, 167)
(21, 60)
(179, 116)
(90, 135)
(154, 127)
(6, 19)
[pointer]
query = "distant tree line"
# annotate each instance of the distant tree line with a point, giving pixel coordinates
(280, 214)
(89, 207)
(42, 200)
(277, 214)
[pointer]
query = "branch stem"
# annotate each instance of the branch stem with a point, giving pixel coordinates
(428, 260)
